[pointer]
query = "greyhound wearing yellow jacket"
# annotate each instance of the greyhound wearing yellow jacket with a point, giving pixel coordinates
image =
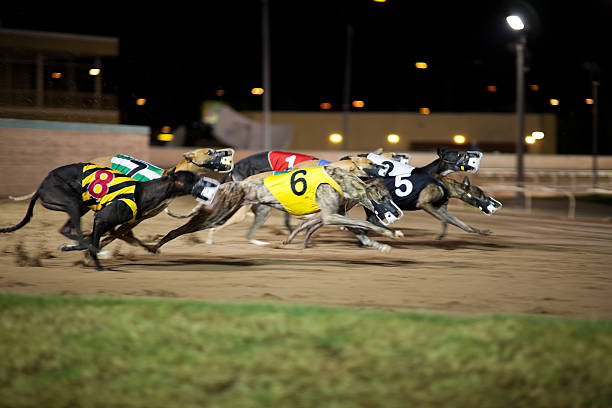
(327, 190)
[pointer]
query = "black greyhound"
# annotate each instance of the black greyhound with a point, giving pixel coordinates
(116, 198)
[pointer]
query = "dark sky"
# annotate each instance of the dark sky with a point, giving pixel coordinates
(177, 57)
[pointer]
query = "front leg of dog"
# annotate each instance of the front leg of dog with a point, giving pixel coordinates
(369, 242)
(262, 213)
(443, 215)
(337, 219)
(304, 225)
(74, 223)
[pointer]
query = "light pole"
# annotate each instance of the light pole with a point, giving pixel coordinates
(267, 136)
(517, 25)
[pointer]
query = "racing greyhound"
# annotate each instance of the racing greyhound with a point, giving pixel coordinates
(421, 191)
(199, 161)
(116, 199)
(325, 189)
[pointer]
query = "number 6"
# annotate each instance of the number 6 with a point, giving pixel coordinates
(301, 180)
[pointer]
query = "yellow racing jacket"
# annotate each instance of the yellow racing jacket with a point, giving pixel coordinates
(101, 186)
(296, 189)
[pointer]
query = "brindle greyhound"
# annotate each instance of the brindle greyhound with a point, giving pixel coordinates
(424, 192)
(329, 201)
(199, 161)
(117, 199)
(357, 165)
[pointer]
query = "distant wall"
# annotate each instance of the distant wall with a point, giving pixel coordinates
(30, 149)
(369, 130)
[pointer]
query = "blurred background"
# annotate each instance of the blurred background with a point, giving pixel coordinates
(398, 74)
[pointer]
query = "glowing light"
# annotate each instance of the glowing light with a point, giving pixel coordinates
(358, 104)
(537, 135)
(530, 139)
(421, 65)
(534, 87)
(515, 22)
(424, 111)
(56, 75)
(257, 91)
(219, 92)
(141, 101)
(380, 1)
(554, 102)
(393, 138)
(94, 71)
(325, 105)
(492, 88)
(459, 139)
(335, 138)
(165, 137)
(589, 101)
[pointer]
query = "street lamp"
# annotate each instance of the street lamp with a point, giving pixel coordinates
(516, 23)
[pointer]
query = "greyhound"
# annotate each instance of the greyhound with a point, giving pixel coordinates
(356, 165)
(199, 161)
(300, 193)
(116, 199)
(431, 194)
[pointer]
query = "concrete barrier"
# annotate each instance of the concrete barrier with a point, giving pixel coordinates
(29, 149)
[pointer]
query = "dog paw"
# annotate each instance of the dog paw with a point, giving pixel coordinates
(484, 232)
(384, 248)
(398, 234)
(103, 254)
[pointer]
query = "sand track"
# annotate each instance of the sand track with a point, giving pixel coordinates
(530, 265)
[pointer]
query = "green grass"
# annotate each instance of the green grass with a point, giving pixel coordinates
(104, 352)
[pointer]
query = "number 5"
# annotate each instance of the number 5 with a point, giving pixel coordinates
(402, 181)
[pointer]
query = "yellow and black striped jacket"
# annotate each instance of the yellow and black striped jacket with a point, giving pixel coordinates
(101, 186)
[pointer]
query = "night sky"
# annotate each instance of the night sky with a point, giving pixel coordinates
(177, 57)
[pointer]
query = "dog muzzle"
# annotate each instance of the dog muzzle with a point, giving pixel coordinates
(490, 205)
(387, 212)
(205, 189)
(471, 162)
(402, 158)
(222, 161)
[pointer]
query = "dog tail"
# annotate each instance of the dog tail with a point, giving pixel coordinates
(23, 197)
(27, 217)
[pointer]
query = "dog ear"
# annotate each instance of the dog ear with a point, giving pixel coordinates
(189, 155)
(441, 151)
(466, 182)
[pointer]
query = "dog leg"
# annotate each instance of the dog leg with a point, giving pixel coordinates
(443, 233)
(443, 215)
(238, 216)
(301, 227)
(261, 215)
(105, 220)
(369, 242)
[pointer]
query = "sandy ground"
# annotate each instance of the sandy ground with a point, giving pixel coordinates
(531, 264)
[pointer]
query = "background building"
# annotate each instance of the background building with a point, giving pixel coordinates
(56, 76)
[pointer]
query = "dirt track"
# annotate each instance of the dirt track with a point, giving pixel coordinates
(532, 265)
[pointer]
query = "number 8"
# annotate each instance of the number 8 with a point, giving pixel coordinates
(99, 186)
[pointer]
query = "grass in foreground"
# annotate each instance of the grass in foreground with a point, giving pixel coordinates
(58, 351)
